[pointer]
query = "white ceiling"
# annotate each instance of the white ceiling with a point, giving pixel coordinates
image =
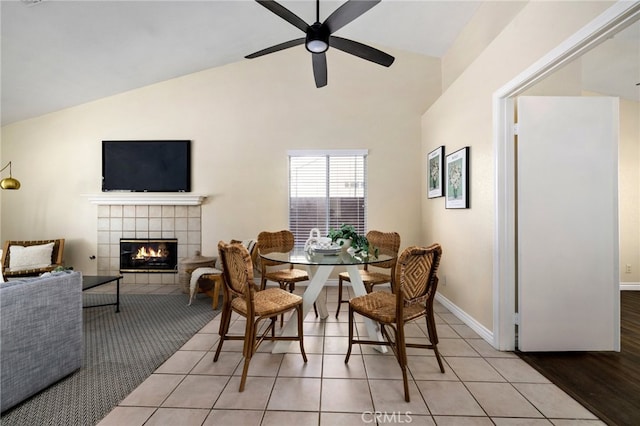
(57, 54)
(613, 68)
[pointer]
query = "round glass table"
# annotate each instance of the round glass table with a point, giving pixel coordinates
(319, 266)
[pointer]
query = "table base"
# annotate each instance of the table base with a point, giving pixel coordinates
(313, 293)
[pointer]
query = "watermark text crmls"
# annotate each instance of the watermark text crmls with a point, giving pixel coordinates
(382, 417)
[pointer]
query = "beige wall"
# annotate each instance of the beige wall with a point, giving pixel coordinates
(485, 25)
(629, 195)
(242, 119)
(462, 116)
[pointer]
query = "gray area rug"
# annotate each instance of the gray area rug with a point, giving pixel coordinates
(120, 351)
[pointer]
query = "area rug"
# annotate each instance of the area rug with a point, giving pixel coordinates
(120, 351)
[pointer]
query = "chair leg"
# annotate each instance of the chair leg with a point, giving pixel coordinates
(301, 331)
(215, 357)
(401, 350)
(224, 327)
(283, 285)
(217, 283)
(437, 352)
(339, 296)
(249, 349)
(433, 337)
(245, 369)
(346, 360)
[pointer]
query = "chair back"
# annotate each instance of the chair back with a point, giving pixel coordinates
(416, 277)
(56, 253)
(387, 243)
(251, 246)
(238, 271)
(274, 242)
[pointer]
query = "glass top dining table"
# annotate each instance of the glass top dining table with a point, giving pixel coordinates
(319, 266)
(299, 256)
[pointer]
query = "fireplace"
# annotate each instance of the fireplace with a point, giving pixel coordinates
(148, 255)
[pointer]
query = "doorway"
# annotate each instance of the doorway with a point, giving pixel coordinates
(613, 20)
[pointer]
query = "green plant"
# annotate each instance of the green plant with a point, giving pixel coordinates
(359, 242)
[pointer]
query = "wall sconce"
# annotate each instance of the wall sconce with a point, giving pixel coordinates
(10, 182)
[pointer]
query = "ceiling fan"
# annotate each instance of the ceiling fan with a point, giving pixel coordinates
(319, 36)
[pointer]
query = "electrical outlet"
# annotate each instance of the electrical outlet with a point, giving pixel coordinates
(443, 280)
(627, 269)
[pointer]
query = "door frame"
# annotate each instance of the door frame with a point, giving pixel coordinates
(617, 17)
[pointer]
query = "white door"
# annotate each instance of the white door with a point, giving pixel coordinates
(567, 224)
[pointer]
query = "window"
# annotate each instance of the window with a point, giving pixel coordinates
(326, 189)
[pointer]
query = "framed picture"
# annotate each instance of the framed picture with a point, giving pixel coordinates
(457, 179)
(435, 173)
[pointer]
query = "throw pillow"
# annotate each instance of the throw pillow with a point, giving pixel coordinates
(30, 257)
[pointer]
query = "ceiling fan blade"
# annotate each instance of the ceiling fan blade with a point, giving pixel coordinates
(319, 68)
(276, 48)
(285, 14)
(361, 50)
(347, 13)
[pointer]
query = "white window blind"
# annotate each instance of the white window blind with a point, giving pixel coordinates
(326, 189)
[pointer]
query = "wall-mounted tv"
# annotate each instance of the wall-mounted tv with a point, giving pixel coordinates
(146, 166)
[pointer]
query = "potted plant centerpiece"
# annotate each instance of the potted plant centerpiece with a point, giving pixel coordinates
(347, 236)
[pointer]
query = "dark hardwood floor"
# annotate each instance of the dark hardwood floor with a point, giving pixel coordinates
(607, 383)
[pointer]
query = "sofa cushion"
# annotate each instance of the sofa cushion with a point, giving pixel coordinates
(30, 257)
(45, 276)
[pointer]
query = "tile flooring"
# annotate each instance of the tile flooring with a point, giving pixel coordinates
(480, 386)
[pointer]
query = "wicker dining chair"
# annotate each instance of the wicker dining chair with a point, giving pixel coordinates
(211, 284)
(386, 243)
(415, 283)
(242, 296)
(286, 275)
(281, 242)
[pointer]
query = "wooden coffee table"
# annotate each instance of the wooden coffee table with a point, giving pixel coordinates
(91, 281)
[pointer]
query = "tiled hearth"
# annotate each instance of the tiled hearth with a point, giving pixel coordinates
(146, 221)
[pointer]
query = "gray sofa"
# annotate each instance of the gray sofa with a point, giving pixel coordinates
(40, 334)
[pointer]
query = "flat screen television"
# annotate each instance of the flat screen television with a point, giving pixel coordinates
(146, 166)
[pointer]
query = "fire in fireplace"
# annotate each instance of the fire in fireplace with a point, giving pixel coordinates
(149, 255)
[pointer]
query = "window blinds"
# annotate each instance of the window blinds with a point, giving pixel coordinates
(326, 189)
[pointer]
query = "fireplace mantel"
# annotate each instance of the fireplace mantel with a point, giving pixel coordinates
(146, 198)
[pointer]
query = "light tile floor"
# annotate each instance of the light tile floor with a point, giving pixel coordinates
(480, 386)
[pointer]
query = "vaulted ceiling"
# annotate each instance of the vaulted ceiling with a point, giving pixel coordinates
(57, 54)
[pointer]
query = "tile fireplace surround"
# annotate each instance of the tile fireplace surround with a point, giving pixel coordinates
(145, 217)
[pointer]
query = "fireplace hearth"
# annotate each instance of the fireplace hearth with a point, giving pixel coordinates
(148, 255)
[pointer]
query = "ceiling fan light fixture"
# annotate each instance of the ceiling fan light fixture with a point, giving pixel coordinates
(317, 38)
(317, 46)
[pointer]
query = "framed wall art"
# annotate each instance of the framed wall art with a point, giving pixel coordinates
(435, 173)
(457, 179)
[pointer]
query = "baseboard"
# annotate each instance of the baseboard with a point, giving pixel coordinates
(630, 286)
(480, 329)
